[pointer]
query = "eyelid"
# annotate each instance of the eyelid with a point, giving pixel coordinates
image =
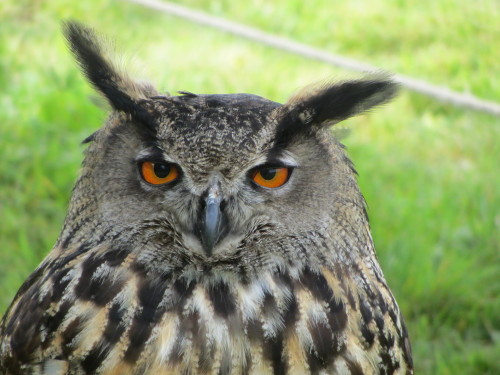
(151, 153)
(282, 158)
(275, 165)
(278, 163)
(155, 156)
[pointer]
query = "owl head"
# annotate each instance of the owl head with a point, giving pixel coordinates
(227, 182)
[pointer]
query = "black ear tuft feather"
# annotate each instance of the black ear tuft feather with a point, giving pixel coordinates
(122, 93)
(325, 105)
(340, 101)
(90, 138)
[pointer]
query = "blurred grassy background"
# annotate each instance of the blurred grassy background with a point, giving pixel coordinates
(430, 172)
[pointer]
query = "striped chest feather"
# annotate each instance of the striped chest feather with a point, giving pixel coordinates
(97, 318)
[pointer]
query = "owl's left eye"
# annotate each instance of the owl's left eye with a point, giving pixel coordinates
(157, 173)
(271, 177)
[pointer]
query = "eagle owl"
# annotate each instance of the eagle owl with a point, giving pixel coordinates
(210, 234)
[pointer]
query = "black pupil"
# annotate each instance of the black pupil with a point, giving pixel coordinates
(268, 173)
(161, 170)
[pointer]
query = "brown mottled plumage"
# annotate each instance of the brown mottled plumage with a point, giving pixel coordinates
(212, 270)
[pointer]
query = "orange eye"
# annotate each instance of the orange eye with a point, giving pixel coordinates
(159, 173)
(271, 177)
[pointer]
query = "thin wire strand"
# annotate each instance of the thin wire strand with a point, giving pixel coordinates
(440, 93)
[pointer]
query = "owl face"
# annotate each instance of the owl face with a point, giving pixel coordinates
(214, 179)
(212, 169)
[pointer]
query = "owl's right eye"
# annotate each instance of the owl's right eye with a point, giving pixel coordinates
(157, 173)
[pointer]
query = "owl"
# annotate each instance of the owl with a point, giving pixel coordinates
(210, 234)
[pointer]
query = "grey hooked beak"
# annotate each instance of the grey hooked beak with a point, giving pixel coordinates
(212, 221)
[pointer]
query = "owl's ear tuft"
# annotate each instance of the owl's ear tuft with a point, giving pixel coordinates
(327, 104)
(332, 103)
(122, 93)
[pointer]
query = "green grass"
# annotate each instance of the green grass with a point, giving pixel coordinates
(429, 171)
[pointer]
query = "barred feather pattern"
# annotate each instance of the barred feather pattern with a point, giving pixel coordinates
(107, 311)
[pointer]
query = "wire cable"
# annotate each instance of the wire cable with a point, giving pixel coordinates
(440, 93)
